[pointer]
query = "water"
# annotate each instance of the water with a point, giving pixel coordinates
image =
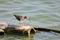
(43, 13)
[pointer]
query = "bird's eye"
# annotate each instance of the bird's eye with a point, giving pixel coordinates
(25, 17)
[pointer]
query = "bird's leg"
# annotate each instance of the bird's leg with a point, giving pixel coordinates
(23, 32)
(29, 33)
(34, 29)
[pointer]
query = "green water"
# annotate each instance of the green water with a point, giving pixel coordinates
(43, 13)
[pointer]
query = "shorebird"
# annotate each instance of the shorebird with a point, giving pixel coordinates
(21, 18)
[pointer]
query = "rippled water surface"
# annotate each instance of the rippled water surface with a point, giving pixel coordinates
(43, 13)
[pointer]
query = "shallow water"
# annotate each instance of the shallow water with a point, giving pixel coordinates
(43, 13)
